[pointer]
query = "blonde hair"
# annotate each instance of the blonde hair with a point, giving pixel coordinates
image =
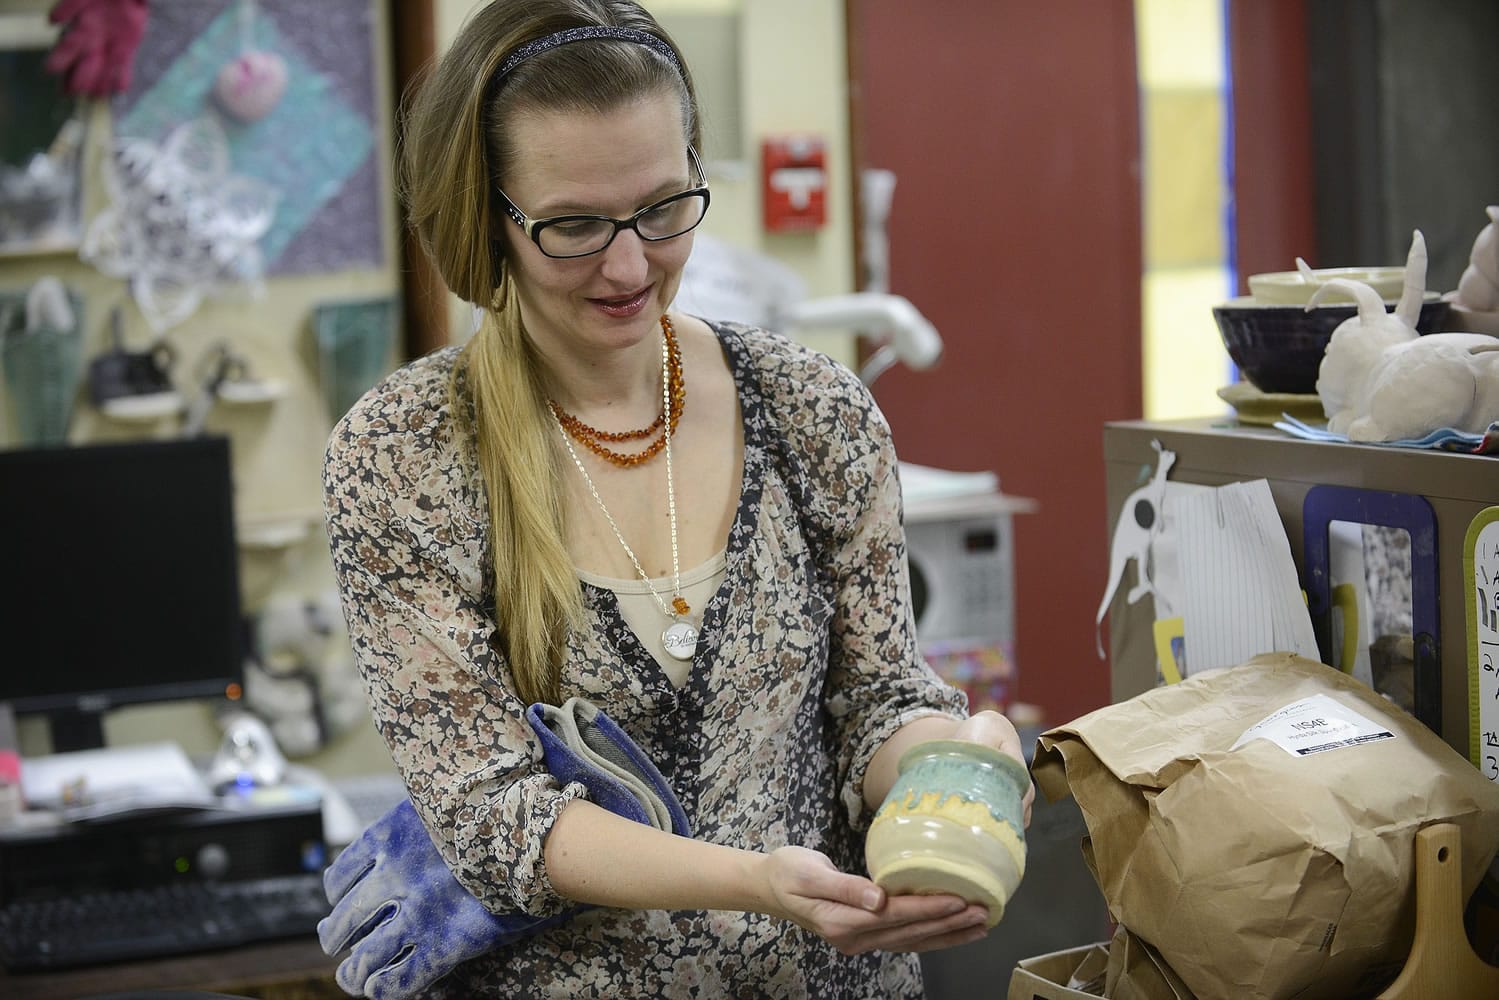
(455, 149)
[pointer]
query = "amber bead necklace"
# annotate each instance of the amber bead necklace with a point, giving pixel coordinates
(679, 638)
(675, 393)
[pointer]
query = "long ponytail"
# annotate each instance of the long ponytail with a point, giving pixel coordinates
(537, 596)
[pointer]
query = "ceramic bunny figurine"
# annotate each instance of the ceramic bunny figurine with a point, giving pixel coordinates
(1382, 381)
(1475, 301)
(1478, 288)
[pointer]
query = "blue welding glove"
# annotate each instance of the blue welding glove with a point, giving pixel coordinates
(398, 907)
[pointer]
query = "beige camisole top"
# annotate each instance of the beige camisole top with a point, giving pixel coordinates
(641, 612)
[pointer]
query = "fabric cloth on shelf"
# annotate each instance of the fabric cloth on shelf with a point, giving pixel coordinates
(1443, 439)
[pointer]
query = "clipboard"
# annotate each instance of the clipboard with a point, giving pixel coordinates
(1325, 504)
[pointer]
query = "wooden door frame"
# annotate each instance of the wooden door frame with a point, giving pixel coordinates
(853, 56)
(424, 300)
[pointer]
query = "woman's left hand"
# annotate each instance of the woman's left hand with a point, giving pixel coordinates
(994, 730)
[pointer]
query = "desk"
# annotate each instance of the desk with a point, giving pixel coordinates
(294, 969)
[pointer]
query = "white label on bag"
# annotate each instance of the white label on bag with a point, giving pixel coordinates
(1312, 725)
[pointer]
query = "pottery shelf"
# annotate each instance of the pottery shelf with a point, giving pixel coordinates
(251, 393)
(144, 408)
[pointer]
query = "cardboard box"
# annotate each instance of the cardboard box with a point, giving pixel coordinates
(1046, 977)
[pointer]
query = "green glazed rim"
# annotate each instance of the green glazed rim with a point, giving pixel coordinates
(964, 748)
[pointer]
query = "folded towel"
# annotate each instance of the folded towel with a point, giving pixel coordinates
(1442, 439)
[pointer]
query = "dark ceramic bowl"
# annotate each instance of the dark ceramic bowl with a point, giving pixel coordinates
(1279, 348)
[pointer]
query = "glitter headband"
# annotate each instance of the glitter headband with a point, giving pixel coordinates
(583, 34)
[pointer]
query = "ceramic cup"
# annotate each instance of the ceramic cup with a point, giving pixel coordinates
(953, 823)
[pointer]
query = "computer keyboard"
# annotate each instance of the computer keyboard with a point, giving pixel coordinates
(370, 796)
(117, 926)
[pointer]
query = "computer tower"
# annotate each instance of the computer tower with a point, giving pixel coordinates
(161, 849)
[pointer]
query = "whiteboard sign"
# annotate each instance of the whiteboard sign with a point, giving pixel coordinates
(1481, 572)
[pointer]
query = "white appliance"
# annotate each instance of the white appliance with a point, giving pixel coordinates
(960, 549)
(960, 552)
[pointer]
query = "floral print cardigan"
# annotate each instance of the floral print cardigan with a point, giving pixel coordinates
(807, 663)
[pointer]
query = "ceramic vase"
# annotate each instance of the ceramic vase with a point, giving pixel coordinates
(355, 343)
(43, 367)
(952, 823)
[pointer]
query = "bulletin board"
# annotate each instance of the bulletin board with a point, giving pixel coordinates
(318, 146)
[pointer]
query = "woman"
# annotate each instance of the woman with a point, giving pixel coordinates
(694, 526)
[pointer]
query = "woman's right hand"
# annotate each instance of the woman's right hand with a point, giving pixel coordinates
(855, 915)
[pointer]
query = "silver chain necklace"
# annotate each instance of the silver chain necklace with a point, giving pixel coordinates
(679, 638)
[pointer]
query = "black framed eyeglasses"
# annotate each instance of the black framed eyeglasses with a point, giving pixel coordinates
(565, 236)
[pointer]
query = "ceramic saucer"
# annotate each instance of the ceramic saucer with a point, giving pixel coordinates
(1265, 408)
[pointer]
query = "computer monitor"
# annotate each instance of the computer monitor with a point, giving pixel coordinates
(119, 580)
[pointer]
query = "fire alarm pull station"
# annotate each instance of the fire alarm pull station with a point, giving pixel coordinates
(795, 176)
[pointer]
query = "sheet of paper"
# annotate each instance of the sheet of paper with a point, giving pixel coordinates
(727, 281)
(1165, 562)
(919, 483)
(1240, 594)
(1226, 613)
(1293, 622)
(92, 784)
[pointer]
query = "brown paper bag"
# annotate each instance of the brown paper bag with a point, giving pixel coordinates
(1133, 970)
(1136, 971)
(1283, 866)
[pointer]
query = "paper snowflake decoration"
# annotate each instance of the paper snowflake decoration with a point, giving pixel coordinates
(180, 226)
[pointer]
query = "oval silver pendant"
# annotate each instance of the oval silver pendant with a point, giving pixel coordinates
(680, 640)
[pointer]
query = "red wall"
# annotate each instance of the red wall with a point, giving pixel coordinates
(1013, 131)
(1273, 184)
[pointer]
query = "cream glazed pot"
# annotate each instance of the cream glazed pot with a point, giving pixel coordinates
(952, 823)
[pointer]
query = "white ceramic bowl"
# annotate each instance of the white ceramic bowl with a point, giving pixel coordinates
(1289, 288)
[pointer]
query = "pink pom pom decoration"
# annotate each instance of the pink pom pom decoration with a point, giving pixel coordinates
(251, 85)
